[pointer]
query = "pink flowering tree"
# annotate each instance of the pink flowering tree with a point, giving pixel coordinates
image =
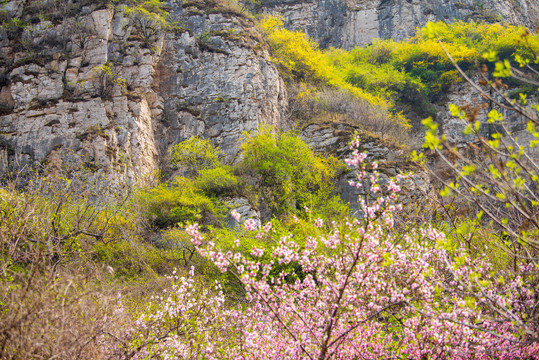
(362, 289)
(186, 322)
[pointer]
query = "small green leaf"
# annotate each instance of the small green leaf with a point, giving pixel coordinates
(494, 143)
(494, 116)
(430, 124)
(484, 283)
(502, 69)
(468, 170)
(523, 99)
(477, 125)
(494, 171)
(479, 215)
(456, 111)
(419, 158)
(521, 61)
(490, 55)
(445, 192)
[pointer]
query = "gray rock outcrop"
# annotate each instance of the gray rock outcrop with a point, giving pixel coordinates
(470, 100)
(246, 211)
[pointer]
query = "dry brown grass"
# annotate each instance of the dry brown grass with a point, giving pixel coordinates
(61, 316)
(53, 301)
(339, 105)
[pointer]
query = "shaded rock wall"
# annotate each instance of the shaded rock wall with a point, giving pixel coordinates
(222, 82)
(469, 98)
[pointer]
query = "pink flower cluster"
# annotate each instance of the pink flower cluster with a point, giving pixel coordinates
(236, 215)
(180, 324)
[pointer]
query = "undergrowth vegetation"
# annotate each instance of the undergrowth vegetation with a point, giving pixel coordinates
(71, 246)
(291, 175)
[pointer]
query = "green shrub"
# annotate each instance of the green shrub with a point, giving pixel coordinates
(301, 60)
(133, 258)
(149, 19)
(217, 181)
(385, 66)
(180, 202)
(290, 172)
(196, 154)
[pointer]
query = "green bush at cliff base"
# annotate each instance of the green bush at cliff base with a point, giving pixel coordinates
(218, 181)
(195, 154)
(291, 182)
(179, 202)
(288, 176)
(291, 174)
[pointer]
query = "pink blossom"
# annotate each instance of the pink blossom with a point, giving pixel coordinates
(257, 252)
(236, 215)
(356, 289)
(250, 224)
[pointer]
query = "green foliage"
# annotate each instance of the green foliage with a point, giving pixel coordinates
(149, 18)
(56, 220)
(134, 258)
(325, 205)
(109, 78)
(179, 202)
(390, 74)
(217, 181)
(13, 27)
(196, 154)
(468, 41)
(500, 177)
(289, 170)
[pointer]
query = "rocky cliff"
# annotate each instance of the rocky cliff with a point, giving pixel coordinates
(88, 80)
(350, 23)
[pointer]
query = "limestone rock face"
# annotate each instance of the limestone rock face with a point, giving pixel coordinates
(242, 206)
(95, 87)
(350, 23)
(469, 99)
